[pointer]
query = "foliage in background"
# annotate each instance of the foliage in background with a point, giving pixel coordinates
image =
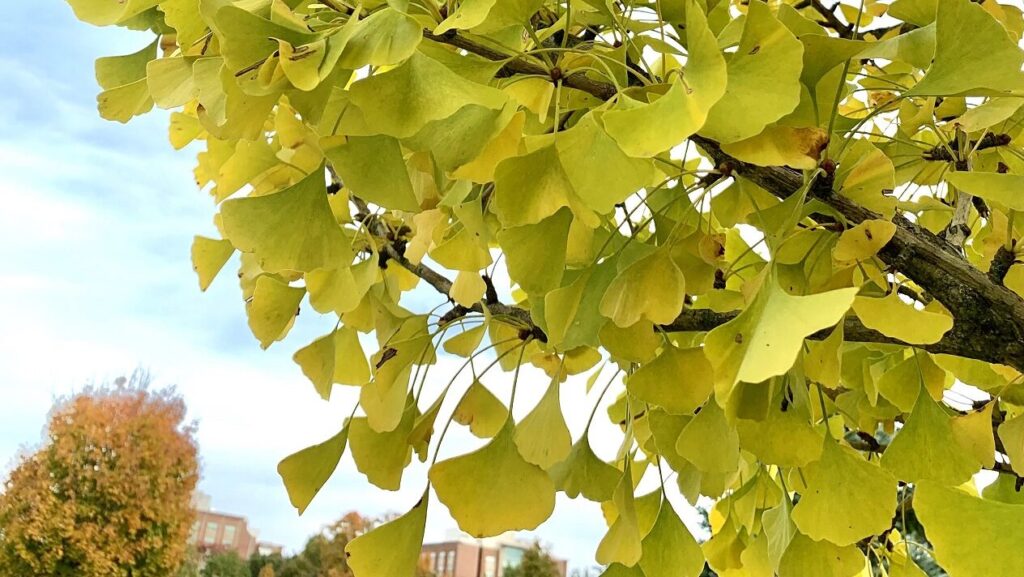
(778, 232)
(535, 563)
(225, 564)
(109, 491)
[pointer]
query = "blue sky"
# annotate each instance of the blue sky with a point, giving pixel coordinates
(96, 220)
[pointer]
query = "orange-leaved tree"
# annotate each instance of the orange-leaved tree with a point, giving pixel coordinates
(109, 491)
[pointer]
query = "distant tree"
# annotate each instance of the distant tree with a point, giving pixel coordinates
(258, 562)
(225, 564)
(266, 571)
(109, 491)
(190, 565)
(535, 563)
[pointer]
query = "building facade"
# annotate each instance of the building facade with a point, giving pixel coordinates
(462, 556)
(215, 532)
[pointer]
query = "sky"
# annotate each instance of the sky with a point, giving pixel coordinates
(96, 221)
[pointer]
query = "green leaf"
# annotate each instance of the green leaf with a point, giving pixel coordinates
(289, 230)
(847, 498)
(519, 496)
(926, 449)
(1003, 189)
(105, 12)
(709, 441)
(622, 543)
(403, 100)
(765, 339)
(764, 79)
(536, 252)
(392, 549)
(125, 88)
(653, 287)
(382, 457)
(974, 54)
(1011, 433)
(646, 129)
(530, 188)
(583, 473)
(971, 536)
(386, 37)
(304, 473)
(678, 380)
(373, 168)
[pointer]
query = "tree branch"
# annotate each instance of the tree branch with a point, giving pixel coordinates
(989, 317)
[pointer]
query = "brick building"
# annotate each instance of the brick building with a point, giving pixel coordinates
(215, 532)
(463, 556)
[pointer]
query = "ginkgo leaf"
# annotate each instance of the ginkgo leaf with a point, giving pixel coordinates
(481, 411)
(466, 342)
(864, 240)
(783, 438)
(530, 188)
(373, 168)
(350, 366)
(125, 88)
(341, 289)
(536, 252)
(763, 79)
(208, 257)
(403, 100)
(973, 432)
(647, 129)
(467, 289)
(846, 499)
(596, 167)
(805, 557)
(518, 496)
(652, 287)
(317, 362)
(965, 531)
(385, 37)
(1011, 433)
(272, 309)
(289, 230)
(669, 550)
(709, 442)
(1000, 188)
(867, 176)
(583, 473)
(382, 456)
(926, 449)
(304, 473)
(470, 14)
(104, 12)
(542, 436)
(974, 54)
(392, 549)
(765, 339)
(622, 543)
(637, 343)
(781, 145)
(678, 380)
(892, 317)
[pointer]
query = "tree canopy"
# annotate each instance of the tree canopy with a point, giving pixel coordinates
(787, 229)
(108, 494)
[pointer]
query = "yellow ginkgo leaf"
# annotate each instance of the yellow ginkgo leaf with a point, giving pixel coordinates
(304, 473)
(678, 380)
(530, 188)
(384, 38)
(901, 384)
(764, 79)
(709, 441)
(805, 557)
(518, 495)
(622, 543)
(644, 130)
(652, 287)
(965, 531)
(765, 339)
(392, 549)
(208, 257)
(542, 436)
(892, 317)
(481, 411)
(784, 438)
(1011, 433)
(464, 343)
(780, 145)
(637, 343)
(382, 456)
(864, 240)
(372, 167)
(973, 432)
(846, 498)
(123, 80)
(669, 550)
(317, 362)
(467, 289)
(583, 473)
(926, 448)
(272, 309)
(289, 230)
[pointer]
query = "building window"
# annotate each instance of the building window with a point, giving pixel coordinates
(193, 535)
(489, 566)
(210, 537)
(229, 536)
(450, 568)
